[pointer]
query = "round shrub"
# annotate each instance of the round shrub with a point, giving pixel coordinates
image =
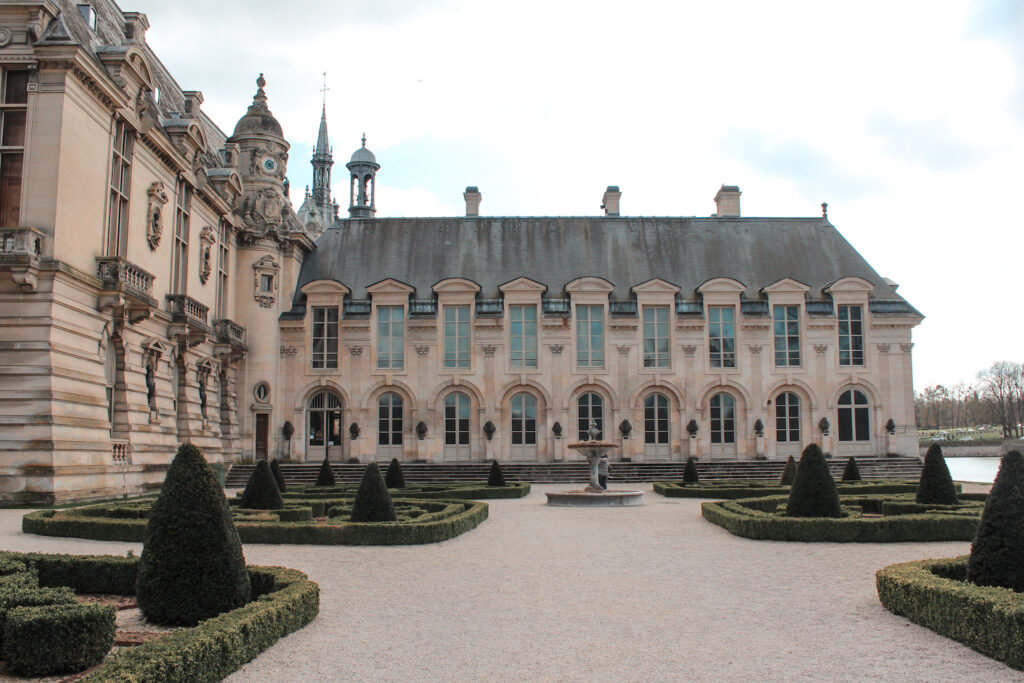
(495, 477)
(261, 492)
(814, 492)
(997, 554)
(395, 477)
(326, 475)
(690, 475)
(788, 473)
(936, 485)
(373, 502)
(191, 566)
(851, 472)
(275, 469)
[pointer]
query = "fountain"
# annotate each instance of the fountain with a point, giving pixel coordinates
(593, 494)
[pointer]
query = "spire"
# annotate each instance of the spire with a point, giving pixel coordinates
(322, 148)
(322, 163)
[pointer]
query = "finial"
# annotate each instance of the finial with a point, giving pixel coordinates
(364, 139)
(260, 82)
(824, 209)
(324, 91)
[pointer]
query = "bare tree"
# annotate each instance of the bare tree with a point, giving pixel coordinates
(997, 385)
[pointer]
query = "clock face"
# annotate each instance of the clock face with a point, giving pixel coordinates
(270, 165)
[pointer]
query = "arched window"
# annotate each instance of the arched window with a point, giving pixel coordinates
(723, 419)
(389, 426)
(656, 425)
(523, 408)
(590, 407)
(853, 416)
(787, 418)
(324, 419)
(456, 426)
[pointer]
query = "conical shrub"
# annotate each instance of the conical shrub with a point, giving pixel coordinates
(192, 567)
(814, 492)
(373, 502)
(326, 475)
(275, 469)
(851, 472)
(395, 477)
(495, 477)
(261, 492)
(690, 475)
(936, 486)
(997, 554)
(788, 473)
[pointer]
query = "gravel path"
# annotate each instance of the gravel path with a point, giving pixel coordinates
(652, 593)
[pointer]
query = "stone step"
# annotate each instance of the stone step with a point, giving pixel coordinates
(578, 471)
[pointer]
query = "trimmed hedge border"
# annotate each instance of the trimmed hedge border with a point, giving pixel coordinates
(284, 600)
(935, 594)
(754, 518)
(468, 491)
(730, 490)
(79, 525)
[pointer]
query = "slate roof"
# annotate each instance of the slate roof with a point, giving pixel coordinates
(626, 251)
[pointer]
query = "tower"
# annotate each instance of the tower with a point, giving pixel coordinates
(322, 162)
(363, 169)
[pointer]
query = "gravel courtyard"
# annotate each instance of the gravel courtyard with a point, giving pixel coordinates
(652, 593)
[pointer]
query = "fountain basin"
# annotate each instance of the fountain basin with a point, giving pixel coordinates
(609, 498)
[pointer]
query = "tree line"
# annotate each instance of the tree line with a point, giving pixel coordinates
(996, 397)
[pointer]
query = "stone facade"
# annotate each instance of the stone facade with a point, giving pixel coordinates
(157, 286)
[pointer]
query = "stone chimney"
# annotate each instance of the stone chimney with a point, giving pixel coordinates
(610, 201)
(472, 196)
(727, 201)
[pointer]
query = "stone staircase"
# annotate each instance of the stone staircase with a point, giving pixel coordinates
(577, 471)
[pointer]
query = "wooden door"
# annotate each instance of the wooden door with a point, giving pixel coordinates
(262, 433)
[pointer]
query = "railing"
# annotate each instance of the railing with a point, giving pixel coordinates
(623, 307)
(490, 306)
(556, 307)
(229, 332)
(121, 452)
(118, 274)
(185, 309)
(355, 308)
(24, 242)
(756, 309)
(691, 307)
(422, 307)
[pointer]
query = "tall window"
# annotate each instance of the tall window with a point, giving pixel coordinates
(523, 336)
(456, 336)
(325, 337)
(223, 265)
(120, 189)
(456, 419)
(389, 420)
(590, 406)
(723, 419)
(722, 336)
(179, 255)
(851, 335)
(787, 418)
(656, 419)
(390, 337)
(325, 419)
(853, 416)
(656, 350)
(13, 111)
(590, 336)
(524, 420)
(787, 335)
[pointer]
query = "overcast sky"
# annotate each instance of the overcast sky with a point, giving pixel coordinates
(906, 117)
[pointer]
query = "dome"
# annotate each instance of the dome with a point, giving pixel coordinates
(363, 156)
(258, 120)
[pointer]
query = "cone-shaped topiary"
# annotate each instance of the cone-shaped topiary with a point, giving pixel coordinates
(261, 492)
(275, 469)
(192, 566)
(789, 473)
(395, 477)
(814, 492)
(690, 475)
(936, 486)
(495, 477)
(373, 502)
(851, 472)
(326, 475)
(997, 554)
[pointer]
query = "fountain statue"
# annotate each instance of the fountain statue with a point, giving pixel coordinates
(594, 494)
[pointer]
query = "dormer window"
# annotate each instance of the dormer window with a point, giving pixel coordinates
(89, 15)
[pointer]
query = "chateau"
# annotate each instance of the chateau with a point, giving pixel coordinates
(157, 286)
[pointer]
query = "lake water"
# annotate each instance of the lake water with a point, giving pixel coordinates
(982, 470)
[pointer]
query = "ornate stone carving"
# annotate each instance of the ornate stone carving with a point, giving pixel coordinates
(755, 349)
(489, 350)
(265, 282)
(883, 348)
(623, 349)
(289, 351)
(906, 347)
(689, 349)
(820, 349)
(423, 349)
(556, 349)
(355, 350)
(208, 238)
(154, 214)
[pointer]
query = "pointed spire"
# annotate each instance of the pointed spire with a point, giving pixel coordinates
(322, 145)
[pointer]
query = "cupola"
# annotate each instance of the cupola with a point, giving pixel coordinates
(363, 169)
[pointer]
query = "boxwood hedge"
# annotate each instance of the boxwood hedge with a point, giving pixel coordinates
(935, 594)
(728, 490)
(757, 518)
